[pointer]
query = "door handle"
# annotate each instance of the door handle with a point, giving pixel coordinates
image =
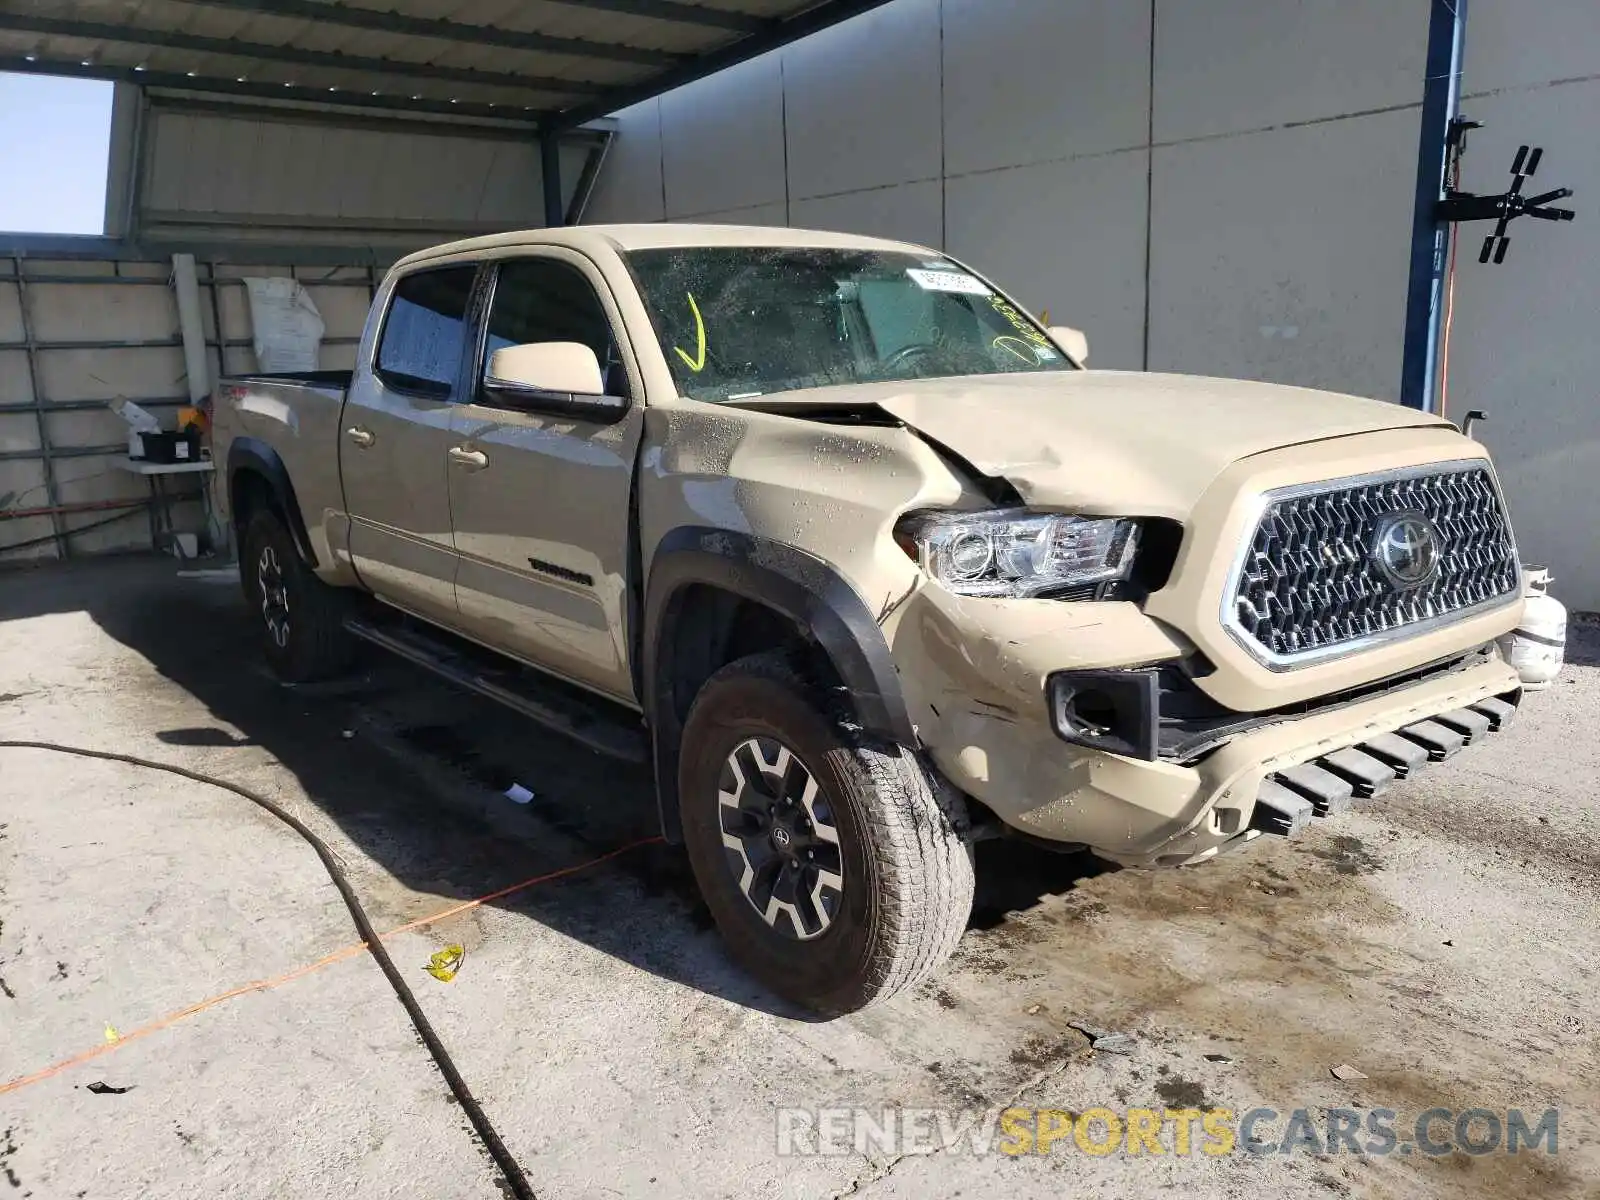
(473, 459)
(361, 437)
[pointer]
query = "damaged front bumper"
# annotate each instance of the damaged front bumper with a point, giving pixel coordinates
(981, 685)
(1277, 780)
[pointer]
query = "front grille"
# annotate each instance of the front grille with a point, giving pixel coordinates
(1311, 583)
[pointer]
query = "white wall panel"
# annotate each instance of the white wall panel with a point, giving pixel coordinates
(1223, 66)
(1283, 255)
(235, 307)
(760, 214)
(723, 139)
(863, 102)
(629, 187)
(1515, 43)
(106, 374)
(1067, 238)
(23, 480)
(337, 358)
(65, 312)
(10, 314)
(1524, 345)
(85, 427)
(15, 386)
(1031, 80)
(343, 309)
(909, 213)
(18, 431)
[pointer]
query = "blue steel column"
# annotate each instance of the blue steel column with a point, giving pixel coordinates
(1441, 99)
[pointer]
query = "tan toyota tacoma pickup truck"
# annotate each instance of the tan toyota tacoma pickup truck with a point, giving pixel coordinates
(869, 566)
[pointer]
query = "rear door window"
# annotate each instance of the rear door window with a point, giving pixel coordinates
(425, 331)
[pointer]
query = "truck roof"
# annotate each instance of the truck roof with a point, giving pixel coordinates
(658, 236)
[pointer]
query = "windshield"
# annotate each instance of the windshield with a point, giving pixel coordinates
(740, 322)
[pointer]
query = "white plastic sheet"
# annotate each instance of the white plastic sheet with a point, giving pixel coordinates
(288, 327)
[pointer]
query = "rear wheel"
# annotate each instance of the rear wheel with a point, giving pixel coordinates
(832, 873)
(301, 619)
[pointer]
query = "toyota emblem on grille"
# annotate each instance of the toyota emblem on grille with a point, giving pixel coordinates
(1406, 549)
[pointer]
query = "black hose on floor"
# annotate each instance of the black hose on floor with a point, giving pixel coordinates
(516, 1181)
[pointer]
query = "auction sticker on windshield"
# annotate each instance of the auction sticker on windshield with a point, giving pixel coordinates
(949, 281)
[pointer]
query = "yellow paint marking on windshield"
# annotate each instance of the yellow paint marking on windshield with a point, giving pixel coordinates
(698, 363)
(1011, 346)
(1020, 323)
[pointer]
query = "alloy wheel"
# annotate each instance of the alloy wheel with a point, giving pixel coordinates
(274, 596)
(781, 838)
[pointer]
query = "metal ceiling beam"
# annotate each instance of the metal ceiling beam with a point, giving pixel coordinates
(813, 20)
(134, 35)
(79, 247)
(179, 81)
(380, 122)
(356, 17)
(682, 14)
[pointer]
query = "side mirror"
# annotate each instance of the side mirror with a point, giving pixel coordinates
(1073, 341)
(547, 367)
(556, 377)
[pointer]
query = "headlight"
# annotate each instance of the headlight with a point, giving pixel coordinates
(1015, 553)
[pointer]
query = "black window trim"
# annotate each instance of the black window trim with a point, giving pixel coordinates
(413, 385)
(561, 404)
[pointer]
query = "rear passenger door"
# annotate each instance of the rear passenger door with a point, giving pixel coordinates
(394, 438)
(540, 498)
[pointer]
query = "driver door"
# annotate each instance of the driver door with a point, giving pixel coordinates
(540, 499)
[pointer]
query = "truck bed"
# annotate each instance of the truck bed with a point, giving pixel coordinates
(318, 379)
(290, 418)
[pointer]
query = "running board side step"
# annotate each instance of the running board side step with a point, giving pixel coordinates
(558, 706)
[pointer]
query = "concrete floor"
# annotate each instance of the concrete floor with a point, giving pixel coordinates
(1445, 942)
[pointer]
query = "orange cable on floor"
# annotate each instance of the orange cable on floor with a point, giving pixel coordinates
(262, 985)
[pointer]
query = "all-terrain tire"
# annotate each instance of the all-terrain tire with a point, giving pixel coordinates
(300, 618)
(907, 875)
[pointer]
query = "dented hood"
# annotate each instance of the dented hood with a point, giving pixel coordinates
(1113, 441)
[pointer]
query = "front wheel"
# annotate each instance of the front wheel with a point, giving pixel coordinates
(833, 874)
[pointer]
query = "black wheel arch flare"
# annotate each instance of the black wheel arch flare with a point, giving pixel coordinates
(252, 456)
(794, 583)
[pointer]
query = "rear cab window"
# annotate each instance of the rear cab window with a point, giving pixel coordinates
(424, 331)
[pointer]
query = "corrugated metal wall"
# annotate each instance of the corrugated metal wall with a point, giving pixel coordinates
(75, 335)
(279, 177)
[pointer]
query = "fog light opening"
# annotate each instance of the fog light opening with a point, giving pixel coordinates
(1089, 712)
(1108, 710)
